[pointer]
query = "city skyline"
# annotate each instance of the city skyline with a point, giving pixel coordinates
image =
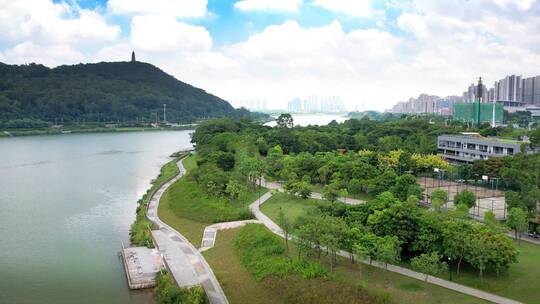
(514, 91)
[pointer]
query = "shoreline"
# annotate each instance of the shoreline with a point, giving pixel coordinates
(45, 132)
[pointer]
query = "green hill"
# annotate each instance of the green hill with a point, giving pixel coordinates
(101, 92)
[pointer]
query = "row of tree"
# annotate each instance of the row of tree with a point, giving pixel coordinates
(388, 230)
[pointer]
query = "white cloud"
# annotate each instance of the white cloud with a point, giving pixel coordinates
(269, 5)
(176, 8)
(521, 5)
(54, 55)
(161, 33)
(357, 8)
(449, 44)
(46, 22)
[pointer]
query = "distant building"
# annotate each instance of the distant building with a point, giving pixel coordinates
(469, 147)
(133, 56)
(314, 104)
(531, 90)
(469, 112)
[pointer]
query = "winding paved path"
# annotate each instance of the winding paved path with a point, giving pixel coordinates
(184, 261)
(315, 195)
(254, 207)
(210, 232)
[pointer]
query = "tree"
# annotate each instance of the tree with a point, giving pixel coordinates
(285, 226)
(285, 120)
(352, 236)
(343, 193)
(466, 198)
(535, 137)
(405, 186)
(387, 250)
(413, 200)
(399, 220)
(304, 191)
(489, 218)
(234, 189)
(365, 247)
(330, 192)
(439, 198)
(333, 233)
(517, 220)
(429, 264)
(455, 240)
(478, 252)
(503, 252)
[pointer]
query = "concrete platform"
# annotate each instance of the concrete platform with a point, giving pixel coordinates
(176, 258)
(141, 265)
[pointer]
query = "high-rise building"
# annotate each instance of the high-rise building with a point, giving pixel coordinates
(295, 105)
(508, 89)
(531, 90)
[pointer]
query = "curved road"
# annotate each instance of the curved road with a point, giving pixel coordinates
(185, 262)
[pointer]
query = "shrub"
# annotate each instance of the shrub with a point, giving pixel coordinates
(167, 292)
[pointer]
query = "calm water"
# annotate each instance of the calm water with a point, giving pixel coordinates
(313, 119)
(66, 205)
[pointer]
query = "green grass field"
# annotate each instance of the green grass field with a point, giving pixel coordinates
(240, 286)
(292, 206)
(518, 283)
(187, 208)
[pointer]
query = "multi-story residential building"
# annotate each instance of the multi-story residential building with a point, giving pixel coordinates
(295, 105)
(468, 147)
(508, 89)
(531, 90)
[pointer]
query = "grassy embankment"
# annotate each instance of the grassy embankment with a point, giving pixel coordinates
(50, 131)
(186, 207)
(139, 232)
(518, 283)
(346, 284)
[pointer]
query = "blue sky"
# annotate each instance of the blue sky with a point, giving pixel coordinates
(368, 52)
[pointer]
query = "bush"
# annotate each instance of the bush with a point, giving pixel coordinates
(466, 198)
(167, 292)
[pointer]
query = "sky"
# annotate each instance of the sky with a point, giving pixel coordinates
(371, 53)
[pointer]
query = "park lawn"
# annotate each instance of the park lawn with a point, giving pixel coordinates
(241, 287)
(292, 206)
(399, 288)
(362, 196)
(186, 207)
(518, 283)
(237, 283)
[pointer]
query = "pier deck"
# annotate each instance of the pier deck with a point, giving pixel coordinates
(141, 265)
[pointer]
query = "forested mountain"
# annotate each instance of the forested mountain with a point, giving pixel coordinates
(101, 92)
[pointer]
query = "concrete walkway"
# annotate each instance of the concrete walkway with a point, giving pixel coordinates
(210, 232)
(181, 257)
(315, 195)
(525, 238)
(254, 207)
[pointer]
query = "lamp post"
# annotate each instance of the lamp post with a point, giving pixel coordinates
(450, 267)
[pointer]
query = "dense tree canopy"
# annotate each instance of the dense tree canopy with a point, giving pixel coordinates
(106, 91)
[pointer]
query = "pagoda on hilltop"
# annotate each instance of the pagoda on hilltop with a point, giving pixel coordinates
(133, 56)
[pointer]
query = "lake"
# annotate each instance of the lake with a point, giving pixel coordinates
(313, 119)
(67, 203)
